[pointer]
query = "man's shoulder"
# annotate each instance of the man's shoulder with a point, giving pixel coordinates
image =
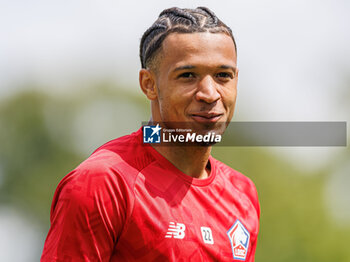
(122, 154)
(238, 180)
(231, 173)
(121, 158)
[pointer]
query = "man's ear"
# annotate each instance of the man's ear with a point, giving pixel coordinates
(148, 84)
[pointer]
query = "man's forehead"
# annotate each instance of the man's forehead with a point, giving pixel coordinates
(189, 40)
(189, 49)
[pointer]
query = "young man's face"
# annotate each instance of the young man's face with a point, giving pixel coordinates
(196, 80)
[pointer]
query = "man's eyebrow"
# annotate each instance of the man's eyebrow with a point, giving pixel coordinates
(184, 67)
(228, 67)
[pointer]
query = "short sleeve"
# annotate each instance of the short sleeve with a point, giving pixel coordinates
(88, 212)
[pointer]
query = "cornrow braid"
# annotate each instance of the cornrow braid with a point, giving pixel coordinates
(177, 20)
(210, 13)
(178, 13)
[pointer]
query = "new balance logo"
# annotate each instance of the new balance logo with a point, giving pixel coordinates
(176, 230)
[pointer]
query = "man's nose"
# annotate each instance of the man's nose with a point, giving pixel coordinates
(207, 90)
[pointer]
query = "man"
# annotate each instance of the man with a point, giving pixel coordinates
(135, 201)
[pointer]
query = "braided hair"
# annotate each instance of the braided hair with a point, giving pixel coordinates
(177, 20)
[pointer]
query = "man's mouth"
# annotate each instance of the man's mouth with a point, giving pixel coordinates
(206, 117)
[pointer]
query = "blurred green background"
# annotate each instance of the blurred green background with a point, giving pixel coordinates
(68, 83)
(43, 137)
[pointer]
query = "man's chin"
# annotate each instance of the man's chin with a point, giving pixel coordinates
(205, 144)
(217, 128)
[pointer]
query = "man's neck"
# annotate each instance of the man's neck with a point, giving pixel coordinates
(191, 160)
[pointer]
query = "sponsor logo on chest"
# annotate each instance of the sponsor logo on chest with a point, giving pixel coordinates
(176, 230)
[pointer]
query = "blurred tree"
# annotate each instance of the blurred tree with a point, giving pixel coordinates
(32, 162)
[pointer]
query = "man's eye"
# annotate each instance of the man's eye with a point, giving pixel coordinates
(186, 75)
(224, 75)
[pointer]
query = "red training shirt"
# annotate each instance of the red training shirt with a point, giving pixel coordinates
(126, 202)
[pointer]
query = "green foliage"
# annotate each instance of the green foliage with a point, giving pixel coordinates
(32, 162)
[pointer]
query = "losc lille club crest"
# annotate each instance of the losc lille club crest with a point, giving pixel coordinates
(239, 238)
